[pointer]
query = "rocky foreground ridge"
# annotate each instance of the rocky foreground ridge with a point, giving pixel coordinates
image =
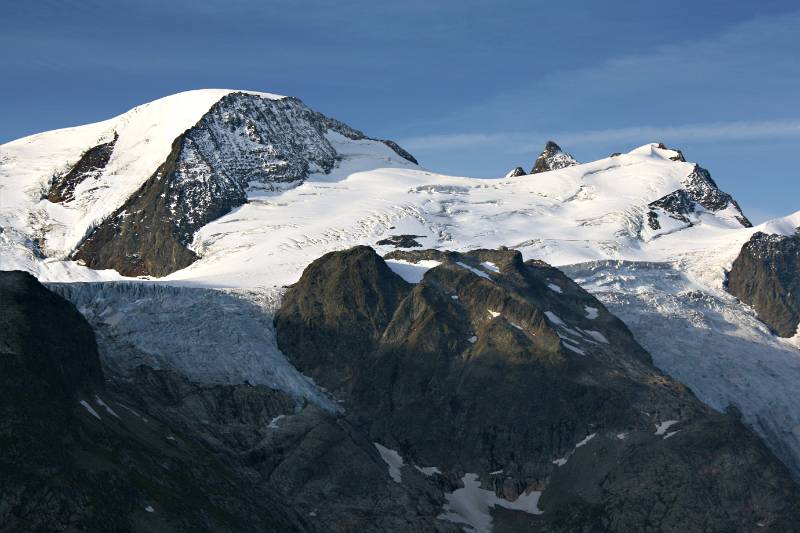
(492, 381)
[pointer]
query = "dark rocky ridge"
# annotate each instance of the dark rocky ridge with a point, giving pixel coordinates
(766, 276)
(552, 158)
(699, 190)
(91, 164)
(64, 468)
(243, 142)
(466, 371)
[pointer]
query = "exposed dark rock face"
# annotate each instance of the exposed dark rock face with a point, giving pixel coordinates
(320, 465)
(399, 150)
(141, 238)
(74, 458)
(766, 276)
(703, 190)
(352, 298)
(552, 158)
(90, 165)
(677, 204)
(510, 370)
(45, 341)
(401, 241)
(699, 191)
(243, 142)
(516, 171)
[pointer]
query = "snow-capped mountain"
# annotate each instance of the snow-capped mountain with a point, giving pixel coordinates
(552, 158)
(130, 192)
(227, 196)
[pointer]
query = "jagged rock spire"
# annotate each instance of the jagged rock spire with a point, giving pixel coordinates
(552, 158)
(517, 171)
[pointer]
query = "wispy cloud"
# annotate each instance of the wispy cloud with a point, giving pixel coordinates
(525, 141)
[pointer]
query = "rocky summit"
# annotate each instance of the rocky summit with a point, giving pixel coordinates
(552, 158)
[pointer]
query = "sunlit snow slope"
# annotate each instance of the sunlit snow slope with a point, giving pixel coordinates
(586, 212)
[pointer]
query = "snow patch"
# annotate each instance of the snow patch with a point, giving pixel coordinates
(664, 426)
(591, 312)
(392, 460)
(471, 505)
(552, 317)
(89, 408)
(585, 441)
(555, 288)
(411, 272)
(488, 265)
(428, 470)
(596, 335)
(99, 401)
(475, 271)
(273, 424)
(572, 347)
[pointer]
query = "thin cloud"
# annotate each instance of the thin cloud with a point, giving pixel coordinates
(521, 141)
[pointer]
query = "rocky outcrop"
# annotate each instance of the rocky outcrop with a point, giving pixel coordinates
(244, 142)
(703, 190)
(514, 172)
(48, 350)
(677, 205)
(510, 371)
(74, 457)
(351, 298)
(699, 193)
(91, 164)
(766, 276)
(401, 241)
(552, 158)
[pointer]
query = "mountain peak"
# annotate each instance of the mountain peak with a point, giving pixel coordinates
(514, 172)
(552, 158)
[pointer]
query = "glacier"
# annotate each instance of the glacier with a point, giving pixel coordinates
(207, 335)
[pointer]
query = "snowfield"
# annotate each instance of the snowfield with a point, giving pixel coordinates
(589, 219)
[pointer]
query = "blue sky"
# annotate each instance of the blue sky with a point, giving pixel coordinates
(470, 87)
